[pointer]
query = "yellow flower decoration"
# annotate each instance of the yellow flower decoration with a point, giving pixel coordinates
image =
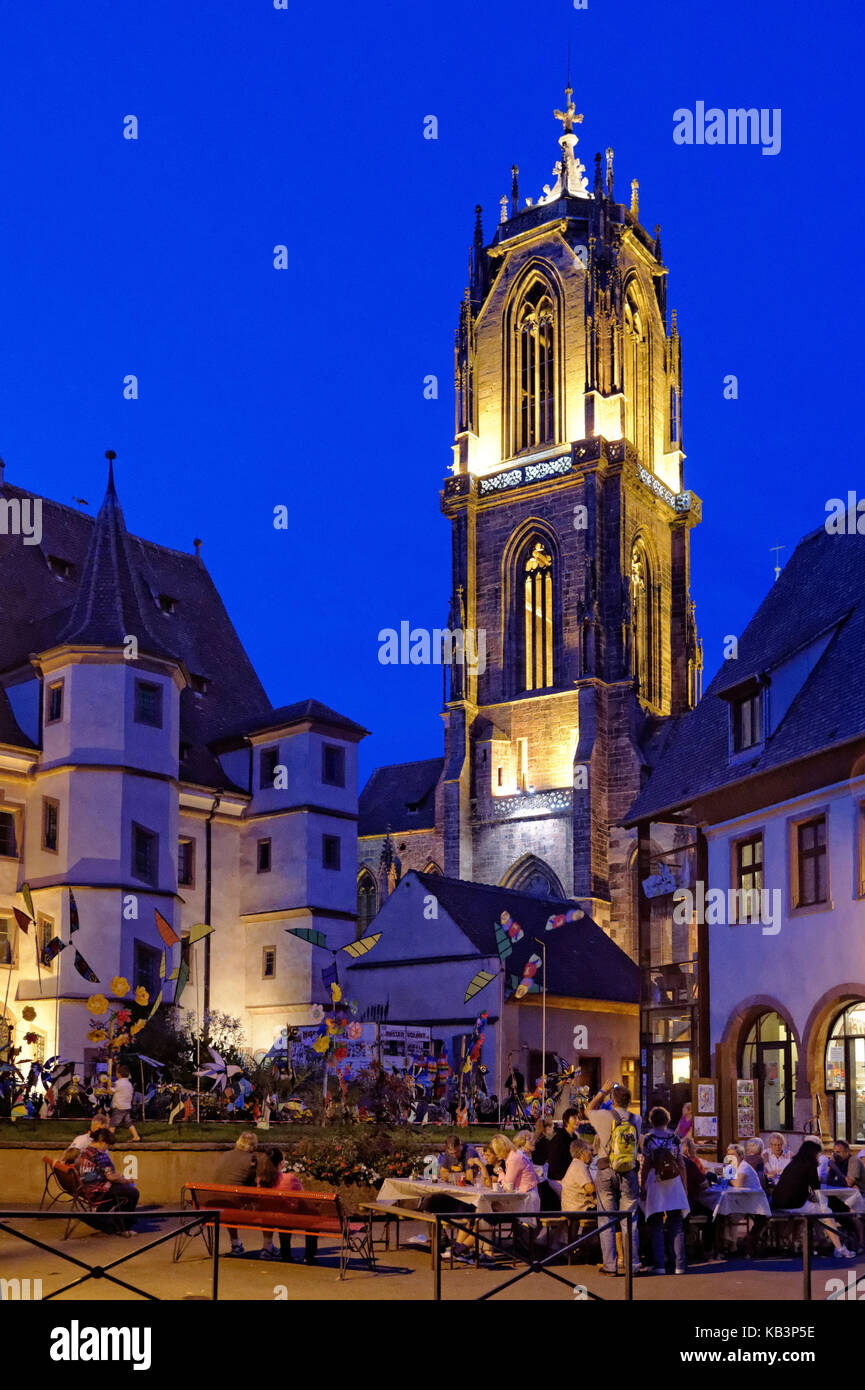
(97, 1035)
(141, 995)
(119, 986)
(28, 1013)
(97, 1004)
(121, 1040)
(137, 1027)
(321, 1045)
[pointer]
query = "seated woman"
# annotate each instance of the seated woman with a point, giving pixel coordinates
(101, 1182)
(702, 1197)
(519, 1172)
(287, 1182)
(245, 1166)
(795, 1191)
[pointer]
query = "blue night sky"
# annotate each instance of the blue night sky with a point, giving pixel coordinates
(304, 387)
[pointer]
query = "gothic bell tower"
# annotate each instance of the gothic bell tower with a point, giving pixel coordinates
(570, 542)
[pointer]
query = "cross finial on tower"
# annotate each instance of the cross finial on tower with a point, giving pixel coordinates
(568, 117)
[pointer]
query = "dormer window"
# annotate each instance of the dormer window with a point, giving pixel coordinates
(63, 569)
(747, 717)
(166, 603)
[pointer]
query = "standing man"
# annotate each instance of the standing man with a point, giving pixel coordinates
(617, 1181)
(515, 1085)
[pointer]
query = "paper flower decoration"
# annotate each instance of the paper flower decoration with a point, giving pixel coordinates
(97, 1004)
(335, 993)
(28, 1013)
(137, 1027)
(141, 996)
(121, 1039)
(97, 1035)
(354, 1031)
(321, 1045)
(31, 1038)
(123, 1015)
(316, 1013)
(119, 986)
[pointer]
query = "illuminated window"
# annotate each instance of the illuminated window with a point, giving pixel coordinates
(749, 878)
(522, 763)
(636, 365)
(747, 716)
(812, 876)
(534, 396)
(644, 626)
(538, 593)
(5, 940)
(50, 823)
(367, 900)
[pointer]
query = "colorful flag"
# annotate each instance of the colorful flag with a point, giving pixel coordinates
(182, 970)
(84, 969)
(530, 970)
(157, 1001)
(329, 975)
(198, 932)
(513, 929)
(52, 949)
(317, 938)
(74, 923)
(25, 893)
(360, 948)
(477, 983)
(573, 914)
(165, 929)
(22, 919)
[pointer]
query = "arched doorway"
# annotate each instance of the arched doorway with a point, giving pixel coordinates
(845, 1072)
(769, 1057)
(532, 875)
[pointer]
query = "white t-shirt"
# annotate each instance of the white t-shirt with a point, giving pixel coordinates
(749, 1178)
(576, 1178)
(122, 1093)
(81, 1141)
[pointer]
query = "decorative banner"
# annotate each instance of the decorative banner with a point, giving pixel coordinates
(165, 929)
(477, 983)
(74, 923)
(25, 893)
(659, 884)
(329, 975)
(84, 969)
(199, 932)
(182, 970)
(530, 969)
(513, 929)
(573, 914)
(360, 948)
(162, 967)
(22, 919)
(52, 949)
(317, 938)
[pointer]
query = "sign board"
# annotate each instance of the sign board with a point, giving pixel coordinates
(705, 1111)
(402, 1046)
(745, 1109)
(659, 884)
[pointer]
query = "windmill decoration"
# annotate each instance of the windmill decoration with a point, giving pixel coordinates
(218, 1071)
(335, 1025)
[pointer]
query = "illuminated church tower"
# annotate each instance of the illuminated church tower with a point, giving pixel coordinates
(570, 543)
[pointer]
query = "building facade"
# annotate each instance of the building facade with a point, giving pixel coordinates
(143, 769)
(570, 529)
(764, 784)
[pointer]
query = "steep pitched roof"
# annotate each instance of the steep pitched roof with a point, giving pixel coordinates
(401, 796)
(303, 710)
(821, 591)
(38, 606)
(582, 961)
(9, 731)
(113, 601)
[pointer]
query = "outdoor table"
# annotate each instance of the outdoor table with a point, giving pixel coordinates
(850, 1196)
(411, 1192)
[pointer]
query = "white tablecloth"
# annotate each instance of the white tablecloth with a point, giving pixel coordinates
(742, 1201)
(851, 1196)
(408, 1192)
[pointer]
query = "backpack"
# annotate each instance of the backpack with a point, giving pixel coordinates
(623, 1145)
(663, 1160)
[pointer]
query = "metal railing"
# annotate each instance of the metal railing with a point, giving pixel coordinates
(101, 1271)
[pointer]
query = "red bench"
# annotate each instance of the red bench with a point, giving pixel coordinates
(63, 1186)
(274, 1209)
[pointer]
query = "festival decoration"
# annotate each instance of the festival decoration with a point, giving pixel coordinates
(165, 929)
(530, 969)
(573, 914)
(508, 933)
(28, 901)
(477, 983)
(22, 919)
(199, 932)
(218, 1070)
(28, 1013)
(52, 949)
(360, 948)
(315, 938)
(74, 921)
(84, 969)
(117, 1031)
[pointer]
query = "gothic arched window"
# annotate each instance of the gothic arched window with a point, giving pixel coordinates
(538, 627)
(534, 389)
(644, 623)
(636, 373)
(367, 900)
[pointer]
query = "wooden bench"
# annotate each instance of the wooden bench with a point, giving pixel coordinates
(310, 1214)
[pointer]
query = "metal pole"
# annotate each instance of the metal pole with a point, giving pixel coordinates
(806, 1261)
(437, 1260)
(629, 1266)
(543, 946)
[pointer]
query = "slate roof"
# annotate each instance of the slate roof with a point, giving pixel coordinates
(391, 792)
(582, 961)
(821, 588)
(301, 710)
(37, 608)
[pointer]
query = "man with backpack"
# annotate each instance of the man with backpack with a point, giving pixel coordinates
(617, 1182)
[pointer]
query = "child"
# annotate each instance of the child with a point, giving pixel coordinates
(121, 1104)
(287, 1182)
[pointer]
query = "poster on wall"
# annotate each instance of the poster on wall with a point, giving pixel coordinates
(706, 1098)
(746, 1109)
(392, 1039)
(705, 1111)
(706, 1127)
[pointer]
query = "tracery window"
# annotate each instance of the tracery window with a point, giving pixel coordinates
(538, 635)
(535, 394)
